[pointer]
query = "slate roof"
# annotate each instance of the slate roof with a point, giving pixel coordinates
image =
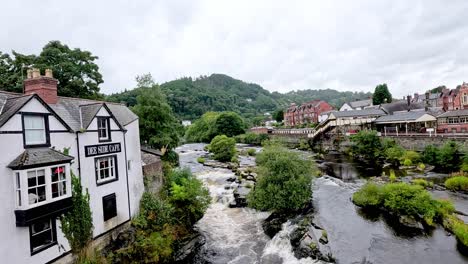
(401, 105)
(463, 112)
(359, 113)
(361, 103)
(35, 157)
(74, 112)
(401, 116)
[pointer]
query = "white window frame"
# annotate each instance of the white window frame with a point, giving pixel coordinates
(31, 129)
(37, 186)
(61, 183)
(23, 189)
(111, 169)
(103, 123)
(51, 228)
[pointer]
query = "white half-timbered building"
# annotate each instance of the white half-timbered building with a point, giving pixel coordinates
(43, 139)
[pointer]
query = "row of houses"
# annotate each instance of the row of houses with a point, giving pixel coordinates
(449, 105)
(45, 138)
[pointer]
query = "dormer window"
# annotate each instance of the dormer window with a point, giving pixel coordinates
(103, 124)
(35, 130)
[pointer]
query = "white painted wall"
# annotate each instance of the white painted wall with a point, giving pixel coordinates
(17, 249)
(346, 107)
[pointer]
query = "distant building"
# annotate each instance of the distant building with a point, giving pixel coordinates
(186, 123)
(356, 105)
(453, 121)
(305, 113)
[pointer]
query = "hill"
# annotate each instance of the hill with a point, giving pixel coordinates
(190, 98)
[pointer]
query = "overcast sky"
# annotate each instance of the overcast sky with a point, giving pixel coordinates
(281, 45)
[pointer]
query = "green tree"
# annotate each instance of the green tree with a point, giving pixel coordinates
(76, 70)
(284, 181)
(278, 115)
(229, 124)
(158, 126)
(77, 224)
(449, 158)
(381, 95)
(203, 129)
(366, 145)
(223, 148)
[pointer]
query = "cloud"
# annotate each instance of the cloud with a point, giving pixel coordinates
(282, 45)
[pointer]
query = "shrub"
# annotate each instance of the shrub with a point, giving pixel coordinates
(284, 181)
(412, 156)
(370, 195)
(460, 230)
(77, 224)
(251, 138)
(367, 145)
(229, 124)
(223, 148)
(304, 145)
(154, 213)
(423, 183)
(430, 155)
(201, 160)
(251, 152)
(234, 159)
(449, 157)
(403, 199)
(421, 166)
(407, 162)
(464, 167)
(393, 154)
(188, 196)
(392, 176)
(457, 183)
(171, 157)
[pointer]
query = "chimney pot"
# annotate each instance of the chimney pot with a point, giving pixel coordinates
(30, 73)
(36, 73)
(48, 73)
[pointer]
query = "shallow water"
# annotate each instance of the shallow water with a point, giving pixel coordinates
(235, 235)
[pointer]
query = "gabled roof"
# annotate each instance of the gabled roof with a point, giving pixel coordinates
(36, 157)
(463, 112)
(401, 105)
(412, 116)
(69, 111)
(360, 103)
(359, 113)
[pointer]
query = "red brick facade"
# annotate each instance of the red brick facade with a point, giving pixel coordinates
(305, 113)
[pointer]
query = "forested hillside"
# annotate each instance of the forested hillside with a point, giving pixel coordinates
(191, 98)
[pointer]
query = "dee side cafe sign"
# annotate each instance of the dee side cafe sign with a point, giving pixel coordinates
(95, 150)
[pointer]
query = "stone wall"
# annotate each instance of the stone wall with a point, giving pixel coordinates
(419, 143)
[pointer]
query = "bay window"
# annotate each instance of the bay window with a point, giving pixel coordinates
(106, 169)
(35, 187)
(35, 130)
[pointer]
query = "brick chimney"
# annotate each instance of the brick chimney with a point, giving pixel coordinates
(44, 86)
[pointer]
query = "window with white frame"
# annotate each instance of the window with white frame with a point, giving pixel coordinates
(36, 186)
(103, 128)
(106, 169)
(58, 181)
(18, 189)
(42, 234)
(35, 132)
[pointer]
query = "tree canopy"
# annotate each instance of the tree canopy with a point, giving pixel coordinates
(212, 124)
(381, 95)
(159, 128)
(76, 70)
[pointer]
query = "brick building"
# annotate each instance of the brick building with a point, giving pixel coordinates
(305, 113)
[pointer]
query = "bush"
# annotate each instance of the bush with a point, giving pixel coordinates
(393, 154)
(229, 124)
(366, 145)
(457, 183)
(223, 148)
(251, 138)
(154, 213)
(464, 167)
(423, 183)
(370, 195)
(171, 157)
(449, 157)
(251, 152)
(284, 181)
(201, 160)
(404, 199)
(188, 196)
(234, 159)
(412, 156)
(407, 162)
(430, 155)
(460, 230)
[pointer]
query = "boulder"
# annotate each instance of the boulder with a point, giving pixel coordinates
(189, 247)
(410, 222)
(274, 223)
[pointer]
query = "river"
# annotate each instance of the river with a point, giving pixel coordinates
(235, 235)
